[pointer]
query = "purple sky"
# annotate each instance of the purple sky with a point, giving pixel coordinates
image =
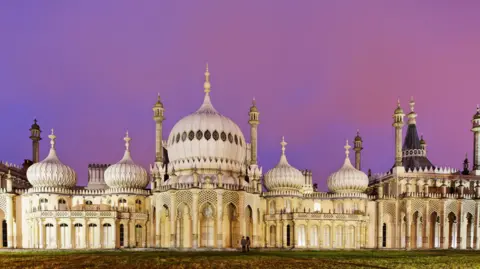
(319, 70)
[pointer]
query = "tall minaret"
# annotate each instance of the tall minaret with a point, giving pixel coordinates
(357, 147)
(398, 124)
(158, 117)
(35, 137)
(254, 121)
(476, 142)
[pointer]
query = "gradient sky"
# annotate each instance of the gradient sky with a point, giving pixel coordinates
(318, 70)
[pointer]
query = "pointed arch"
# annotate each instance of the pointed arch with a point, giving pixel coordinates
(231, 226)
(207, 225)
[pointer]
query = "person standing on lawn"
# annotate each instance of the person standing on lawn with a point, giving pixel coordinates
(243, 242)
(248, 243)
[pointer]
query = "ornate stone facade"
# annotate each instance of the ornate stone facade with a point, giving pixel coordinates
(207, 190)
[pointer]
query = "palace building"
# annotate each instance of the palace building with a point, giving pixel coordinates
(206, 189)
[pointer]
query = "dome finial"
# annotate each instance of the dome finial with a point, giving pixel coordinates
(412, 104)
(478, 108)
(283, 143)
(347, 149)
(254, 102)
(207, 85)
(52, 137)
(127, 141)
(398, 102)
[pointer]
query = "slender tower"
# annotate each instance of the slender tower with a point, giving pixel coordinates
(254, 121)
(423, 144)
(398, 125)
(35, 137)
(357, 147)
(158, 117)
(476, 142)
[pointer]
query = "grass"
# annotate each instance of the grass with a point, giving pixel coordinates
(255, 259)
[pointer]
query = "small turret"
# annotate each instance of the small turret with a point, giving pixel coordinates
(423, 144)
(35, 137)
(398, 124)
(254, 121)
(466, 165)
(158, 117)
(476, 142)
(357, 147)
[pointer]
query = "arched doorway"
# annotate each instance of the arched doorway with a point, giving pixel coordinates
(165, 226)
(384, 235)
(452, 230)
(288, 235)
(4, 234)
(327, 236)
(51, 236)
(434, 230)
(470, 229)
(416, 229)
(273, 236)
(138, 235)
(92, 235)
(301, 236)
(78, 235)
(183, 232)
(107, 235)
(64, 240)
(122, 235)
(249, 223)
(207, 226)
(232, 227)
(314, 236)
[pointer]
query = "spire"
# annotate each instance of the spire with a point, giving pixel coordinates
(207, 106)
(412, 115)
(347, 149)
(127, 141)
(52, 137)
(283, 143)
(207, 85)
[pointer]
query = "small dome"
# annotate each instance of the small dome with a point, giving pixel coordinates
(284, 176)
(253, 108)
(125, 173)
(347, 179)
(477, 115)
(358, 138)
(399, 109)
(51, 172)
(35, 126)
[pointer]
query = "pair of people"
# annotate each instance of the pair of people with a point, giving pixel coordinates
(245, 242)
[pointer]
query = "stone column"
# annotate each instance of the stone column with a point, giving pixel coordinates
(255, 239)
(219, 219)
(408, 219)
(41, 231)
(195, 219)
(158, 231)
(476, 228)
(461, 220)
(9, 219)
(173, 217)
(426, 220)
(380, 225)
(69, 234)
(281, 231)
(114, 234)
(85, 229)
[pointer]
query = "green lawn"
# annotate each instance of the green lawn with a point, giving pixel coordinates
(255, 259)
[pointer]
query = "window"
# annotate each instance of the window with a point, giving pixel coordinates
(288, 235)
(236, 139)
(223, 136)
(240, 140)
(138, 205)
(88, 202)
(230, 137)
(215, 135)
(208, 135)
(316, 207)
(122, 203)
(122, 235)
(384, 235)
(62, 204)
(184, 136)
(43, 204)
(178, 138)
(199, 135)
(191, 135)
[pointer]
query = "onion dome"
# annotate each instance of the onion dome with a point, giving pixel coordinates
(35, 126)
(254, 108)
(284, 176)
(347, 179)
(51, 172)
(358, 138)
(206, 138)
(399, 109)
(125, 173)
(477, 115)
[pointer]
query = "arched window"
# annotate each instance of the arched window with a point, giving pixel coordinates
(43, 204)
(92, 235)
(88, 202)
(50, 235)
(288, 206)
(107, 235)
(384, 235)
(63, 235)
(317, 207)
(62, 204)
(122, 203)
(138, 205)
(138, 235)
(288, 235)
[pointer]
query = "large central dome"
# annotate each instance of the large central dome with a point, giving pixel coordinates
(206, 139)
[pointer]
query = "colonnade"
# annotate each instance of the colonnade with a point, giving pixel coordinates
(315, 234)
